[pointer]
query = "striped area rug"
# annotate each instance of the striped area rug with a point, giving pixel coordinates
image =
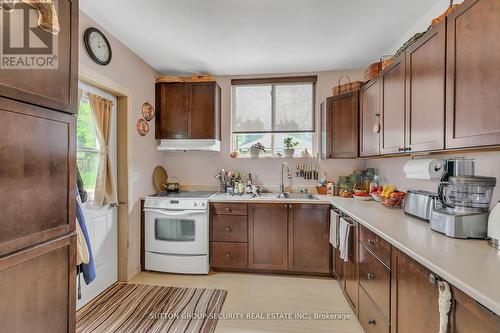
(135, 308)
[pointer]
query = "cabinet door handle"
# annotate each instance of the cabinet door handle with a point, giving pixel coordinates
(371, 242)
(372, 322)
(228, 209)
(401, 149)
(285, 205)
(290, 206)
(228, 229)
(371, 276)
(228, 254)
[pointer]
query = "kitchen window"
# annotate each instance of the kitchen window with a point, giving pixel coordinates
(267, 111)
(88, 150)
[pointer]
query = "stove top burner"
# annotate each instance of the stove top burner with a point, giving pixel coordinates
(185, 194)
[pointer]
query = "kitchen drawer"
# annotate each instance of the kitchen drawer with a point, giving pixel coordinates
(223, 208)
(229, 255)
(378, 246)
(369, 316)
(375, 278)
(229, 228)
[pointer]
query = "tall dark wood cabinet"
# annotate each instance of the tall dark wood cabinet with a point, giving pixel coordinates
(369, 119)
(308, 238)
(425, 91)
(340, 126)
(392, 137)
(472, 80)
(37, 189)
(188, 110)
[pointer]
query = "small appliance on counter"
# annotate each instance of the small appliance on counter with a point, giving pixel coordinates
(466, 206)
(420, 204)
(494, 227)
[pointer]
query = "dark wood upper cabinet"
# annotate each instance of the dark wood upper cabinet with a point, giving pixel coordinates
(188, 110)
(414, 298)
(392, 129)
(425, 91)
(172, 111)
(472, 79)
(52, 88)
(308, 235)
(340, 126)
(369, 119)
(268, 236)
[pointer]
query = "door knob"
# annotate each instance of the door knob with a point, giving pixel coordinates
(228, 209)
(372, 322)
(371, 276)
(371, 242)
(228, 254)
(228, 229)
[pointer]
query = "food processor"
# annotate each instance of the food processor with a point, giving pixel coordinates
(466, 204)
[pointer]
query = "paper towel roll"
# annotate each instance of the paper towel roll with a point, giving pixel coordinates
(424, 168)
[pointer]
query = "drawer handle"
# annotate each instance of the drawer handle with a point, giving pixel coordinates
(371, 276)
(228, 209)
(371, 242)
(372, 322)
(228, 229)
(228, 254)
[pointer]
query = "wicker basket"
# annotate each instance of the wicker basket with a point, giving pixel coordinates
(346, 87)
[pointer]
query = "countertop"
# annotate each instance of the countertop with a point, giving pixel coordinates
(471, 265)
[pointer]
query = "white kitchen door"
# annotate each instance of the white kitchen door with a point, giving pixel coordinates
(101, 221)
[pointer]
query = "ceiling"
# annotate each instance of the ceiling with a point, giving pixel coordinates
(231, 37)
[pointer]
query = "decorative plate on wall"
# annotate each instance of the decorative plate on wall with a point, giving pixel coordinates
(142, 127)
(148, 111)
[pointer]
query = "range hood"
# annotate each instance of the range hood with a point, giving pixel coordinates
(189, 145)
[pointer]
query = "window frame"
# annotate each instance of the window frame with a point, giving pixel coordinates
(274, 82)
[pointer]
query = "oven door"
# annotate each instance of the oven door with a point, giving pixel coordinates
(183, 232)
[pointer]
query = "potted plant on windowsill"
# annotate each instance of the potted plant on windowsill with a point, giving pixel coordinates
(256, 149)
(290, 145)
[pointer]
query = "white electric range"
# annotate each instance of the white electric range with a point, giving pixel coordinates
(176, 232)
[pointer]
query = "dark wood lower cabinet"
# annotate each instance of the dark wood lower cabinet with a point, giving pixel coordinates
(350, 269)
(38, 288)
(414, 298)
(267, 236)
(308, 235)
(370, 316)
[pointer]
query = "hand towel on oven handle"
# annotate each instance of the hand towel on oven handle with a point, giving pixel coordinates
(344, 233)
(334, 231)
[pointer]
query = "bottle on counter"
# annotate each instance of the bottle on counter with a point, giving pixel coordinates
(248, 188)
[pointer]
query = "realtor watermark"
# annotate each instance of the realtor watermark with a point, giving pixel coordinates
(250, 316)
(26, 42)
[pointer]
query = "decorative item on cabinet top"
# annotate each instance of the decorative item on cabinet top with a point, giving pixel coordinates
(346, 87)
(192, 78)
(47, 14)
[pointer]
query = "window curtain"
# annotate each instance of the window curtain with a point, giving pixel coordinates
(105, 190)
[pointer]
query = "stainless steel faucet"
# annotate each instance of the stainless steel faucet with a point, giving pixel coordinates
(282, 185)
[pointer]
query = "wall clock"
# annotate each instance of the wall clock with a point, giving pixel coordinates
(97, 46)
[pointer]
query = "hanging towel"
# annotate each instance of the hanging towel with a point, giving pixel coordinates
(344, 232)
(82, 252)
(334, 239)
(88, 270)
(444, 305)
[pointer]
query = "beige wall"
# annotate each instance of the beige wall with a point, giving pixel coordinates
(199, 168)
(137, 77)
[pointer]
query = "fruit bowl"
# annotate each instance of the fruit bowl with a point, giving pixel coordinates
(396, 200)
(366, 197)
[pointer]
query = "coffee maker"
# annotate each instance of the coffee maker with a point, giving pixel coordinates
(464, 201)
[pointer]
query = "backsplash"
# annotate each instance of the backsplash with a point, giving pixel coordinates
(391, 169)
